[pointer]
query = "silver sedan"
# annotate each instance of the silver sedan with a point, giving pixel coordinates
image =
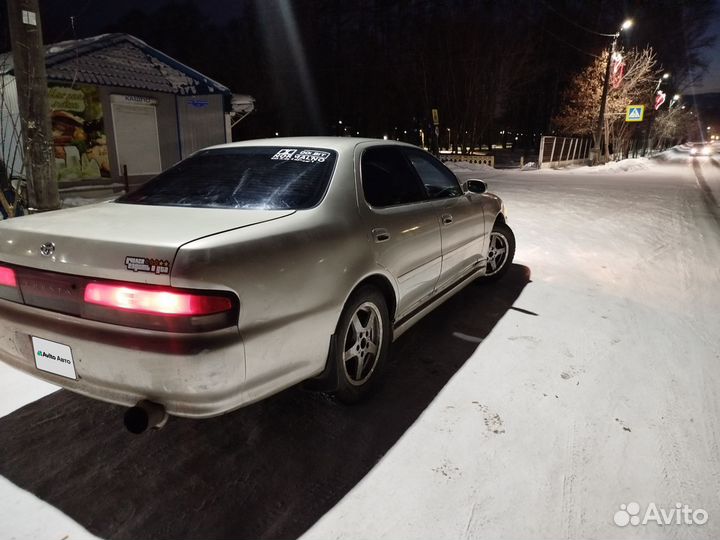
(243, 270)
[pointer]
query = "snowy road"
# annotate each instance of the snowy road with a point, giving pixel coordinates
(595, 383)
(609, 395)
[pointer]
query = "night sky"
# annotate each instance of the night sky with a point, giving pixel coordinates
(389, 85)
(92, 16)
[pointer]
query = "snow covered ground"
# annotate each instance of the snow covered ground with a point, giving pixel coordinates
(601, 389)
(610, 395)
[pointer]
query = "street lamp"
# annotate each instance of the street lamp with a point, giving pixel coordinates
(599, 147)
(664, 77)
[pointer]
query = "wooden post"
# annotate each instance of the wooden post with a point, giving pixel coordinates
(31, 80)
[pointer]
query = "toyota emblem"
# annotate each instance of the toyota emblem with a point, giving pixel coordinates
(47, 249)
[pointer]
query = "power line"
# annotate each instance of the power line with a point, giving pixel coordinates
(568, 43)
(560, 39)
(575, 23)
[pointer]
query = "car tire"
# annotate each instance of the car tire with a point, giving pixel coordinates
(361, 344)
(501, 252)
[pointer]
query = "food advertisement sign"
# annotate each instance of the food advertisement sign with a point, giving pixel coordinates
(79, 139)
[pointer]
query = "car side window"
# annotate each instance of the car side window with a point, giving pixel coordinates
(439, 182)
(388, 178)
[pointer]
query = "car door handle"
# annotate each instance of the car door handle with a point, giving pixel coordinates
(446, 219)
(381, 235)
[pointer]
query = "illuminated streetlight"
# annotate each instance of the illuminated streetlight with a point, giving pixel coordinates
(626, 24)
(665, 77)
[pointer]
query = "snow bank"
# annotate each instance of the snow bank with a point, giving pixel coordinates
(613, 167)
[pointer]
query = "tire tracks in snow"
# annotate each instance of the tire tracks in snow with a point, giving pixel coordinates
(569, 520)
(710, 201)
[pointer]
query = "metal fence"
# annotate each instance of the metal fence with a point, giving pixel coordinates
(560, 151)
(470, 158)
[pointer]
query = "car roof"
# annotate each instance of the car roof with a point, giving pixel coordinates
(340, 144)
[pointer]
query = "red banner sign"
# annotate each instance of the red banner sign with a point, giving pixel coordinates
(659, 99)
(617, 70)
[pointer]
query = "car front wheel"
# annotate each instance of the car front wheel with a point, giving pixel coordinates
(501, 252)
(362, 341)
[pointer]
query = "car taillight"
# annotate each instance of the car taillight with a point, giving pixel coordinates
(159, 308)
(166, 309)
(7, 277)
(9, 289)
(158, 302)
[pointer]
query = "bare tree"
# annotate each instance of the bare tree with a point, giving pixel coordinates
(672, 126)
(581, 100)
(637, 87)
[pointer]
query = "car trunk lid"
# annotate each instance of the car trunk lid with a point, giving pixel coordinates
(116, 241)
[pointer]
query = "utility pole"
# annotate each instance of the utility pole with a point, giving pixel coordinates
(599, 145)
(31, 80)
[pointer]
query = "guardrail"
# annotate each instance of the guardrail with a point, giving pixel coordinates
(470, 158)
(561, 151)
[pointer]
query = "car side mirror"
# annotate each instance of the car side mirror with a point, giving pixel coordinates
(475, 186)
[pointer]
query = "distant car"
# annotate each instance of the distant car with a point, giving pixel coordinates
(701, 149)
(243, 270)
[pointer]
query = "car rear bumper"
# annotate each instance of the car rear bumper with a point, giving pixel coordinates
(192, 375)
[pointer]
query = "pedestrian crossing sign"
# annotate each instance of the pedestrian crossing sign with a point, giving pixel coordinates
(634, 113)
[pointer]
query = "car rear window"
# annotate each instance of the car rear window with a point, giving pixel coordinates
(263, 177)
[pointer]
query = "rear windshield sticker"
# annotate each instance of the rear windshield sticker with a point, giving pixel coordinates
(311, 156)
(143, 264)
(306, 156)
(285, 153)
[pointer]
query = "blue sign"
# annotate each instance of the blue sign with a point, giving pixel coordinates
(634, 113)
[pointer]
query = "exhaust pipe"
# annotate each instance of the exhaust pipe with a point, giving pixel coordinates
(145, 415)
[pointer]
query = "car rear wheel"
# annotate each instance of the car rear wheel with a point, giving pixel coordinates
(501, 252)
(362, 341)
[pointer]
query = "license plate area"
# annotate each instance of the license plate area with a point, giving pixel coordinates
(52, 291)
(53, 357)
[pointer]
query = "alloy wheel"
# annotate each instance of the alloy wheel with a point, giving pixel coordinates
(363, 340)
(498, 254)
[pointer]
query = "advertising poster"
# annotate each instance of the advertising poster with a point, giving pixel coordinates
(79, 139)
